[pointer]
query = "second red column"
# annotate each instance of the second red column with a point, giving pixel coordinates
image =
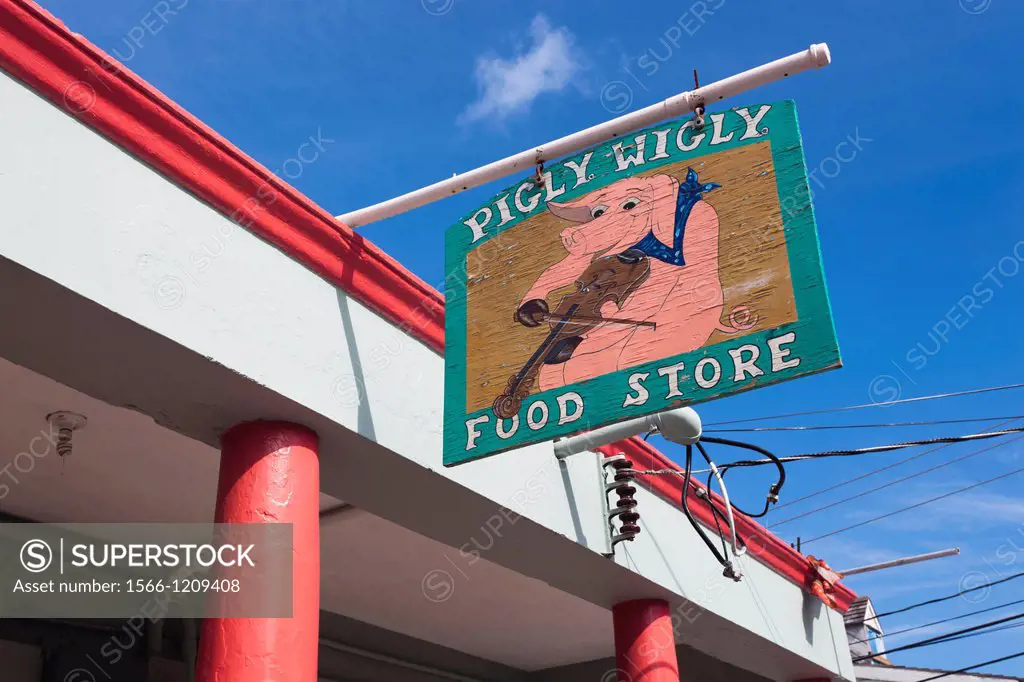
(645, 646)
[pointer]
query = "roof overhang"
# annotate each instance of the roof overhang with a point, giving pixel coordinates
(382, 472)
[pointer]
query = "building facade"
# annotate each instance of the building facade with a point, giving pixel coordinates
(241, 356)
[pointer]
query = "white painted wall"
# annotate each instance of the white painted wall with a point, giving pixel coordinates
(81, 212)
(881, 673)
(669, 552)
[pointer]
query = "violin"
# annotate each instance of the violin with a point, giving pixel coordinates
(608, 278)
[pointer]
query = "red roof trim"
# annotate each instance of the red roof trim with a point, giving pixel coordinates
(75, 75)
(761, 543)
(72, 73)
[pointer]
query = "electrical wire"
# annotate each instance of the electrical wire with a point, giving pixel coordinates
(868, 474)
(828, 427)
(960, 593)
(725, 514)
(915, 506)
(943, 621)
(973, 453)
(973, 667)
(683, 501)
(773, 491)
(939, 639)
(729, 507)
(867, 405)
(871, 450)
(986, 632)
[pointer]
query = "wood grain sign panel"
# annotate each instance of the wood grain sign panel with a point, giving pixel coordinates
(672, 266)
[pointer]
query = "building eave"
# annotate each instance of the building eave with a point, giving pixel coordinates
(72, 73)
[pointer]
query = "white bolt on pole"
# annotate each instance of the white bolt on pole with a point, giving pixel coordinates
(814, 57)
(901, 562)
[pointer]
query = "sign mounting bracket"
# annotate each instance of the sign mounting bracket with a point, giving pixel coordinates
(814, 57)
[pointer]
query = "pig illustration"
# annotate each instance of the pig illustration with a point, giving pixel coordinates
(678, 231)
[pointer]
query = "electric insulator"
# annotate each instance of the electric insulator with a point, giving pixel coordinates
(625, 507)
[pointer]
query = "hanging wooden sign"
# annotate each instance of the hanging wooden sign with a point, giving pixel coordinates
(673, 266)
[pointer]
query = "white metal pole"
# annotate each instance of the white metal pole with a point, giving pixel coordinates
(816, 56)
(901, 562)
(681, 425)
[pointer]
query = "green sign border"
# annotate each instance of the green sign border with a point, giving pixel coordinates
(815, 342)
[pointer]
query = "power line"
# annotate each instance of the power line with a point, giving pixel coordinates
(868, 474)
(867, 405)
(950, 596)
(915, 506)
(973, 667)
(939, 639)
(944, 620)
(864, 493)
(881, 448)
(985, 435)
(827, 427)
(986, 632)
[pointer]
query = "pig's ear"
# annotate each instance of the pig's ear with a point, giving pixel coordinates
(661, 186)
(577, 211)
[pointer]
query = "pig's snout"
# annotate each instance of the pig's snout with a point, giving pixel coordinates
(574, 240)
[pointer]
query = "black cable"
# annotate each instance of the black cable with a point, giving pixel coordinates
(973, 667)
(986, 632)
(870, 473)
(772, 458)
(915, 506)
(762, 513)
(719, 515)
(873, 449)
(859, 495)
(948, 597)
(720, 556)
(867, 405)
(714, 510)
(942, 621)
(939, 639)
(984, 435)
(773, 491)
(830, 427)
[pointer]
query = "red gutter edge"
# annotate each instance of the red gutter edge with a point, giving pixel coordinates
(761, 543)
(75, 75)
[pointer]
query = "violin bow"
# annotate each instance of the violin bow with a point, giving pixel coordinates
(570, 319)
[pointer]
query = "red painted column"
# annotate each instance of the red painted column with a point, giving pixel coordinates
(269, 473)
(645, 645)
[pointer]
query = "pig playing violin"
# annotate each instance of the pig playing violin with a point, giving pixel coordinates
(651, 223)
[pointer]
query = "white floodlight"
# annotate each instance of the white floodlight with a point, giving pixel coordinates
(681, 425)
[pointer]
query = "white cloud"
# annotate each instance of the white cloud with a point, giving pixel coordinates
(509, 86)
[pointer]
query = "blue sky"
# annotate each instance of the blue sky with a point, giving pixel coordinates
(926, 212)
